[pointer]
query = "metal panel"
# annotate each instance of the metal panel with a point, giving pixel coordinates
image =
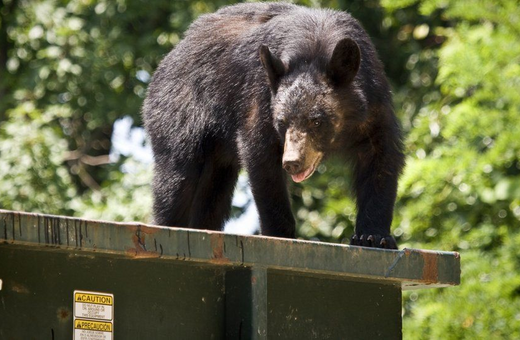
(324, 308)
(152, 299)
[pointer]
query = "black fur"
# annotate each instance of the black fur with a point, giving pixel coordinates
(242, 81)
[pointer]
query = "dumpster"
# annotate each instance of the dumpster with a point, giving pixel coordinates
(69, 278)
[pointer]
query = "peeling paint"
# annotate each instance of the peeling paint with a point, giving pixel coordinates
(396, 261)
(430, 268)
(139, 250)
(63, 314)
(142, 228)
(218, 246)
(19, 288)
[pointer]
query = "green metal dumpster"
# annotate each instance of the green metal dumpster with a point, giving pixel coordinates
(65, 278)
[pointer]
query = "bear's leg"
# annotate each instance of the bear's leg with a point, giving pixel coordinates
(376, 174)
(269, 187)
(173, 192)
(212, 202)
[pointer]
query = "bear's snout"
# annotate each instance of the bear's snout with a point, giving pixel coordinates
(292, 167)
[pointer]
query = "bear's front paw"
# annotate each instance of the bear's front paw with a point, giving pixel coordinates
(374, 241)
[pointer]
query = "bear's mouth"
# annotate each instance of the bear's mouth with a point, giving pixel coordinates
(302, 176)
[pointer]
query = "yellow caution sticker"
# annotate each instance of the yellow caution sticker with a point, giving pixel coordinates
(93, 325)
(93, 305)
(94, 298)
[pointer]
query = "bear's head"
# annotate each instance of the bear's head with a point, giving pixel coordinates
(313, 103)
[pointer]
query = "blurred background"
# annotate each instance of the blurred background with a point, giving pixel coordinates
(73, 75)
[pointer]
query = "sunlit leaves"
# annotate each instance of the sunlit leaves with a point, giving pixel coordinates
(461, 188)
(32, 171)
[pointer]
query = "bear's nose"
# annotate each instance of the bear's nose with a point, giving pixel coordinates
(292, 167)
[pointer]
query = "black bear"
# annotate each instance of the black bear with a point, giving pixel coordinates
(273, 88)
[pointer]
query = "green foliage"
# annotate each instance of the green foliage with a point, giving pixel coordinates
(69, 69)
(485, 306)
(461, 189)
(87, 57)
(33, 176)
(127, 198)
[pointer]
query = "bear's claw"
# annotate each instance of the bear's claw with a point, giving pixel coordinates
(373, 241)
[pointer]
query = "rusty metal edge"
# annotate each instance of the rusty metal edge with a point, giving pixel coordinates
(412, 268)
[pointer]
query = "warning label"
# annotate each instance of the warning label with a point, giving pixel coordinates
(90, 305)
(93, 315)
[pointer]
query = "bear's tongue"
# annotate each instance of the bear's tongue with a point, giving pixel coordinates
(302, 175)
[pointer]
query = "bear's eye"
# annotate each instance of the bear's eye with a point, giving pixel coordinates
(281, 122)
(316, 122)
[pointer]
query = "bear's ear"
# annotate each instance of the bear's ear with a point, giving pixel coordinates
(344, 63)
(273, 66)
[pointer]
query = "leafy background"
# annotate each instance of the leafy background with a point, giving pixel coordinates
(71, 70)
